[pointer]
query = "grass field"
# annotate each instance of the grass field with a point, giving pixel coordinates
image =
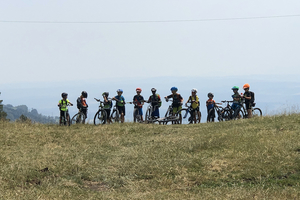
(244, 159)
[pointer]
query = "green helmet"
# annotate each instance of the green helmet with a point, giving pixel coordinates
(235, 88)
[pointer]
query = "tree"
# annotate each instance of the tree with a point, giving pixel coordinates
(2, 113)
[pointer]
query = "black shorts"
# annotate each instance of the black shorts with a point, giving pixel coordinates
(107, 112)
(121, 109)
(62, 113)
(248, 106)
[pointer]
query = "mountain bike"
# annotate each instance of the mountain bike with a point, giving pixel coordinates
(189, 115)
(227, 113)
(136, 113)
(256, 112)
(101, 115)
(149, 118)
(212, 111)
(175, 118)
(65, 118)
(115, 114)
(78, 118)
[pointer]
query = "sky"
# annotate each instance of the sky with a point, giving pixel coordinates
(76, 45)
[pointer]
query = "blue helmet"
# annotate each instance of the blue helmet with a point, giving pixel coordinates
(174, 89)
(120, 90)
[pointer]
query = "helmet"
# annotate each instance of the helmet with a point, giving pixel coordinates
(120, 90)
(210, 95)
(174, 89)
(246, 86)
(194, 90)
(153, 90)
(235, 88)
(64, 94)
(84, 94)
(138, 89)
(105, 94)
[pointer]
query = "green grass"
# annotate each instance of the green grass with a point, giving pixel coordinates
(245, 159)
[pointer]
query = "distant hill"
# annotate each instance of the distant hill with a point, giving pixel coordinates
(14, 112)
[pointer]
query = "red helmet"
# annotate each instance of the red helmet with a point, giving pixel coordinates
(138, 89)
(246, 86)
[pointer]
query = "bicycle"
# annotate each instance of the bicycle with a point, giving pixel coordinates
(65, 118)
(227, 113)
(149, 118)
(101, 115)
(115, 114)
(78, 118)
(136, 113)
(212, 111)
(256, 112)
(175, 118)
(190, 115)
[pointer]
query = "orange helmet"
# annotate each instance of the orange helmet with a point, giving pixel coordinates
(246, 86)
(138, 89)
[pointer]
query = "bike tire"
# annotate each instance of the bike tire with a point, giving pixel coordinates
(148, 116)
(115, 116)
(240, 115)
(136, 116)
(210, 115)
(100, 117)
(78, 118)
(185, 116)
(256, 112)
(226, 114)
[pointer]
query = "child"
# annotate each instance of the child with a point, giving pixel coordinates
(63, 107)
(237, 100)
(138, 101)
(177, 101)
(155, 101)
(249, 99)
(194, 100)
(210, 104)
(81, 103)
(107, 105)
(120, 104)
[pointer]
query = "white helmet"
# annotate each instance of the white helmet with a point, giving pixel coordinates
(194, 90)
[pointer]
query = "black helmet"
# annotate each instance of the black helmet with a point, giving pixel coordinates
(84, 94)
(64, 94)
(153, 90)
(105, 94)
(210, 94)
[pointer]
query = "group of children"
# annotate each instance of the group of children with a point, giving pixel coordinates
(156, 102)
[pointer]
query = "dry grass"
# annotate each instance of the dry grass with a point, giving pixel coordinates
(244, 159)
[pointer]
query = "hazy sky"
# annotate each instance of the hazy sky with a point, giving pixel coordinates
(46, 45)
(52, 52)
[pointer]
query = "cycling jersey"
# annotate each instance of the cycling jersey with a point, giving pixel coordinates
(155, 100)
(237, 95)
(81, 103)
(63, 104)
(176, 99)
(196, 102)
(138, 99)
(210, 104)
(121, 101)
(249, 94)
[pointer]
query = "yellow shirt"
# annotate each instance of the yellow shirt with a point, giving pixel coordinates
(195, 104)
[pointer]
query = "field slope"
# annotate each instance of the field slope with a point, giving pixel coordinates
(245, 159)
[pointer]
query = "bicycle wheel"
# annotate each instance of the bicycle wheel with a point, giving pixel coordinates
(100, 117)
(148, 117)
(226, 114)
(78, 118)
(219, 113)
(115, 116)
(186, 117)
(239, 115)
(136, 116)
(256, 112)
(211, 115)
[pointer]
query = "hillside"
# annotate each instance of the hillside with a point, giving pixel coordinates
(245, 159)
(14, 112)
